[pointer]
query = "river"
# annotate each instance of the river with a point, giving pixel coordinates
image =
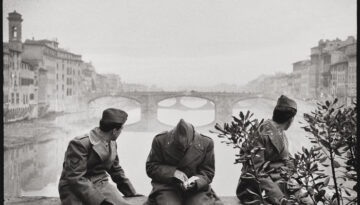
(33, 169)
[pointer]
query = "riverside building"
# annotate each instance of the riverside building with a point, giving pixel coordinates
(19, 88)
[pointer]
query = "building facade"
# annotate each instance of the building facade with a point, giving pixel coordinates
(304, 79)
(114, 82)
(61, 74)
(20, 91)
(41, 77)
(329, 73)
(321, 56)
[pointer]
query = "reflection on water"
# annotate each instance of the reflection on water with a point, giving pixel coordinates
(168, 102)
(35, 169)
(193, 102)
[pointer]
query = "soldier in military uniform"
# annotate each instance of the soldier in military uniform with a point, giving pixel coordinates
(181, 165)
(275, 142)
(88, 161)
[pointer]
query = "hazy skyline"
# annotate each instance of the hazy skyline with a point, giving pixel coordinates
(183, 42)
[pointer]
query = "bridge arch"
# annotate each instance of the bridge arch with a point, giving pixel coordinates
(188, 96)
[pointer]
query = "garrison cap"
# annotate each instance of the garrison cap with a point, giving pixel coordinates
(284, 101)
(113, 115)
(184, 129)
(183, 134)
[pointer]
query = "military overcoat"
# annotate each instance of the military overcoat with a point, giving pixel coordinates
(87, 164)
(198, 161)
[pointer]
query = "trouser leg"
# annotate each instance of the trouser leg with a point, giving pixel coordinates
(112, 194)
(203, 198)
(168, 198)
(67, 197)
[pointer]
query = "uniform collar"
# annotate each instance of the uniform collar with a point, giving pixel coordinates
(101, 147)
(269, 128)
(96, 137)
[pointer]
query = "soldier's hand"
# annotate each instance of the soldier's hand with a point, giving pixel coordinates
(180, 176)
(106, 203)
(191, 183)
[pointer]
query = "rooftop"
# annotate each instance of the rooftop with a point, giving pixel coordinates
(302, 62)
(14, 16)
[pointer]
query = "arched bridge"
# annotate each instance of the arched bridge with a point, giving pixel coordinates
(148, 101)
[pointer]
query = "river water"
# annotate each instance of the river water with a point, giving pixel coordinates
(34, 169)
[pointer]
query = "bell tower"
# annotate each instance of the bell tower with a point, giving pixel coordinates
(15, 30)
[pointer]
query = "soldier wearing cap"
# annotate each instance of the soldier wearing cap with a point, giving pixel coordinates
(88, 161)
(181, 165)
(275, 142)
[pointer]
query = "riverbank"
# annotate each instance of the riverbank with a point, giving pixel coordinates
(228, 200)
(17, 134)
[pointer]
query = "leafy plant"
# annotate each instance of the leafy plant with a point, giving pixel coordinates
(333, 133)
(333, 129)
(306, 175)
(242, 133)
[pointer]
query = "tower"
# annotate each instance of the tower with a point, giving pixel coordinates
(15, 30)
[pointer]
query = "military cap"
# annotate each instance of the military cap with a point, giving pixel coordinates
(184, 129)
(284, 101)
(113, 115)
(183, 134)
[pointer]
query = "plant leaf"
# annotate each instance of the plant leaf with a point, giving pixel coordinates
(326, 182)
(336, 164)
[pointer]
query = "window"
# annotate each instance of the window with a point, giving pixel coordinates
(31, 96)
(12, 98)
(6, 98)
(17, 98)
(14, 32)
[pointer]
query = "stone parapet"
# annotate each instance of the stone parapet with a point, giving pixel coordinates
(38, 200)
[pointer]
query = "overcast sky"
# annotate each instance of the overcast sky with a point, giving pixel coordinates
(186, 42)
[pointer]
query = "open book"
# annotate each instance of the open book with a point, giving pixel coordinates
(190, 182)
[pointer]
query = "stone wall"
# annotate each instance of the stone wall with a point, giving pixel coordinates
(229, 200)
